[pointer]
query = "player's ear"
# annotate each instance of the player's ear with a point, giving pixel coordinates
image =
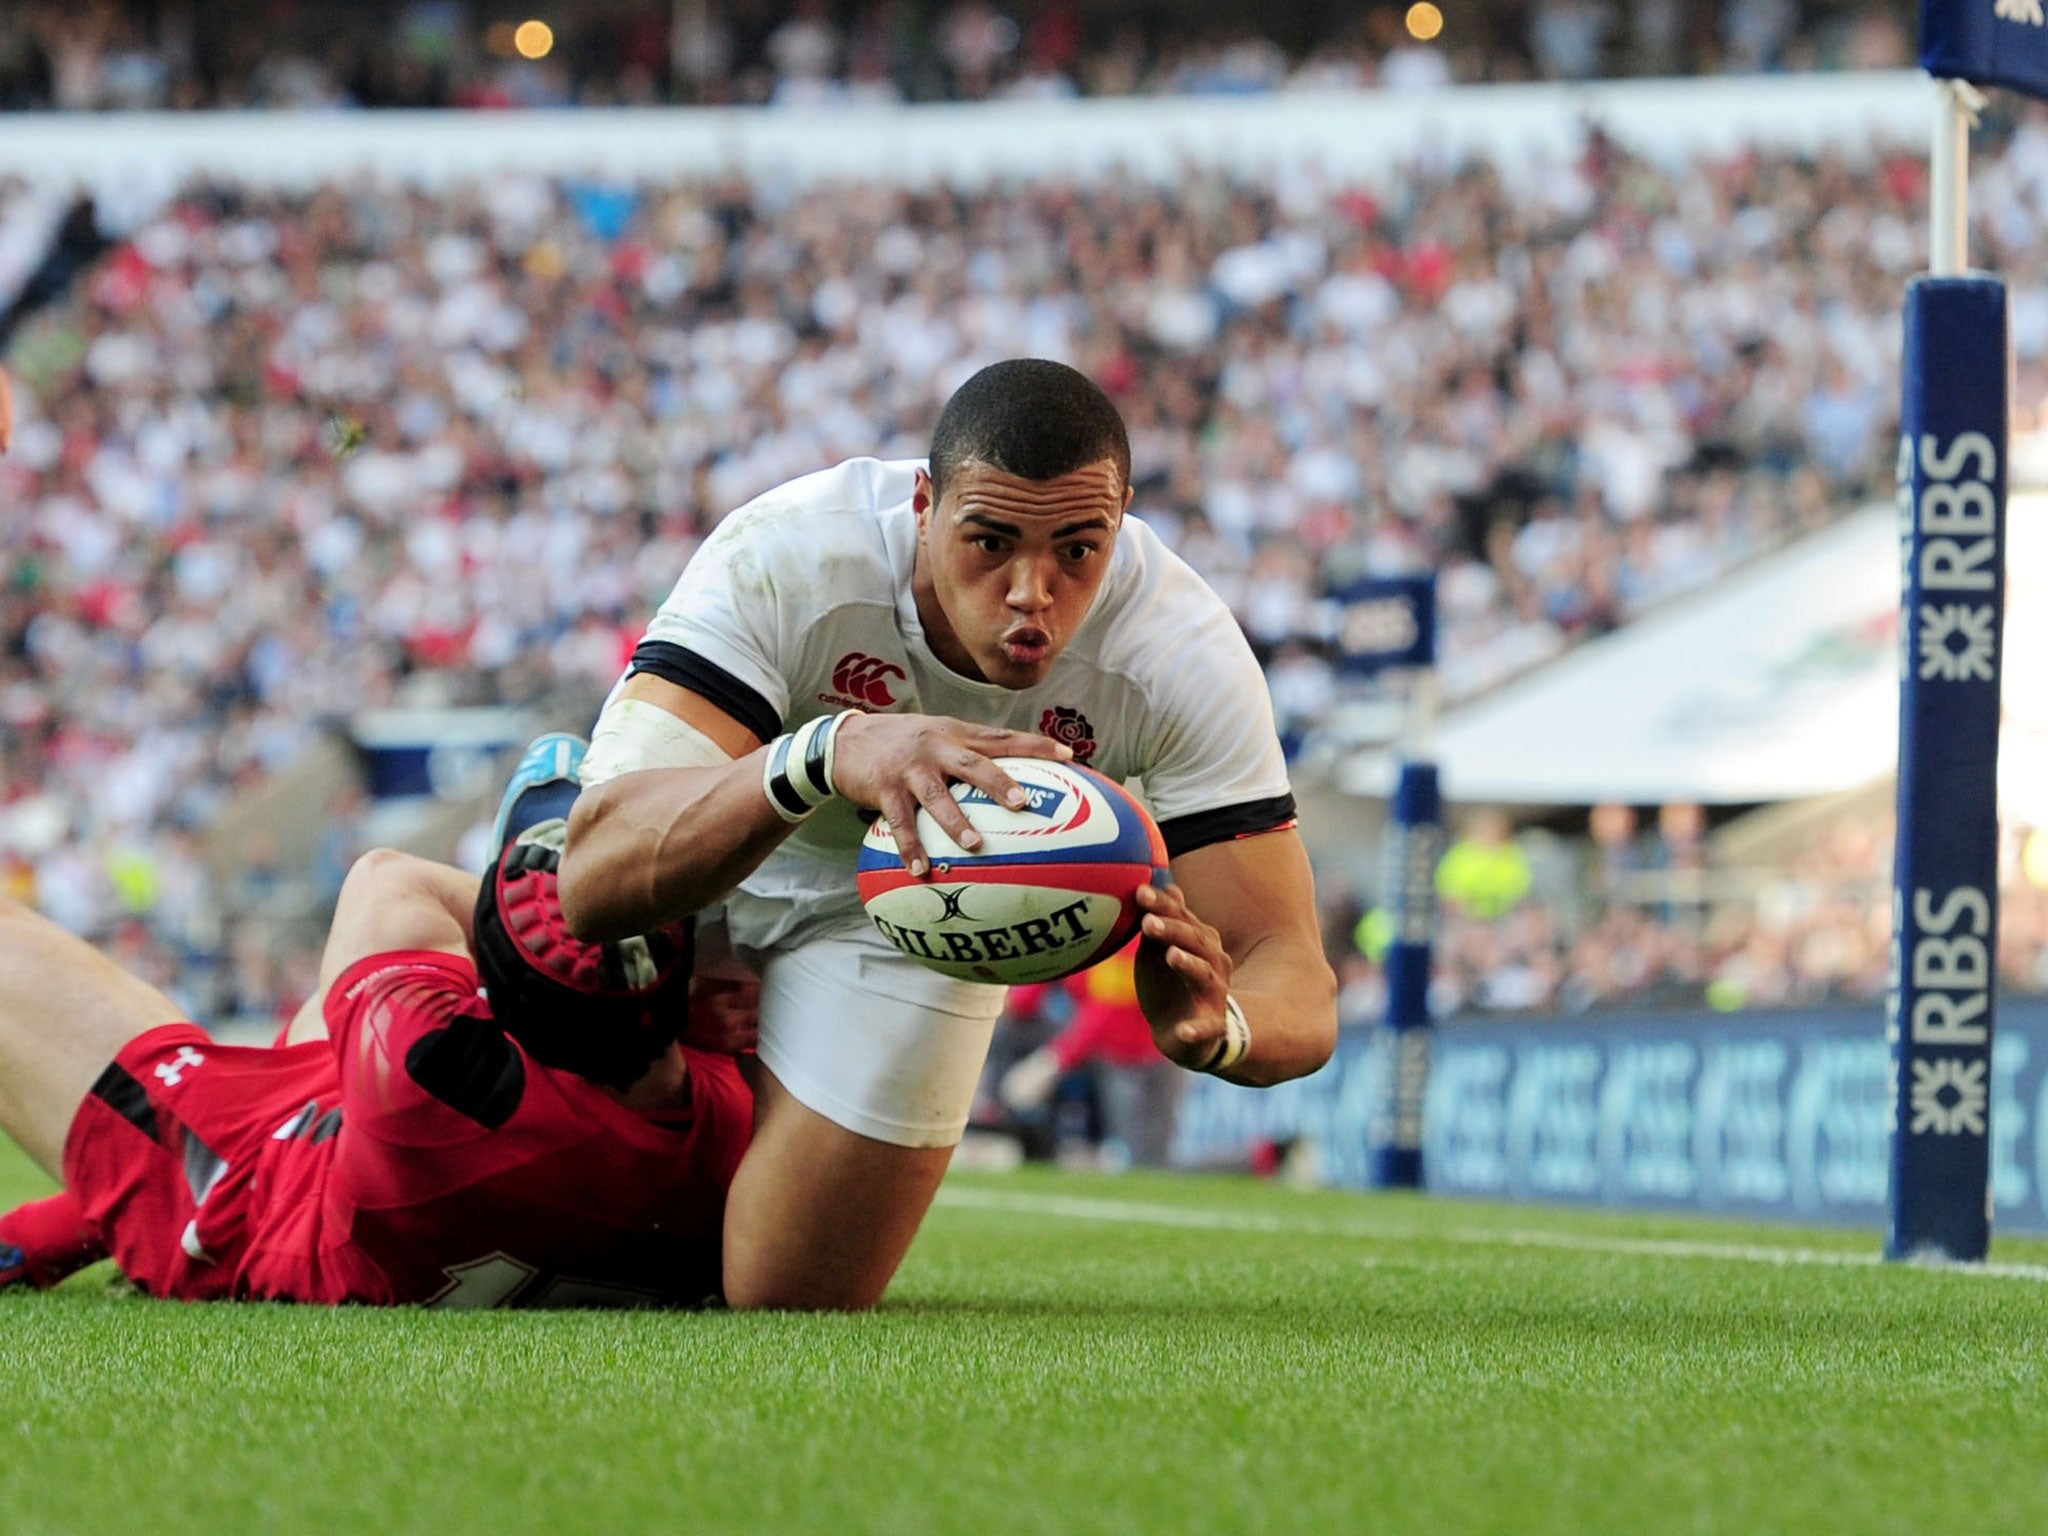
(1130, 495)
(921, 498)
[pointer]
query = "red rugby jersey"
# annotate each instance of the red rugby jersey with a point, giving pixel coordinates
(460, 1172)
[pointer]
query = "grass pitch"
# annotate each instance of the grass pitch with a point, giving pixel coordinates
(1068, 1355)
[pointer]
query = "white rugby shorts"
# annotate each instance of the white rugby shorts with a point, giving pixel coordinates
(872, 1041)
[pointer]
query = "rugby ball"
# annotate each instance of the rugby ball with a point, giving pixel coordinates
(1051, 890)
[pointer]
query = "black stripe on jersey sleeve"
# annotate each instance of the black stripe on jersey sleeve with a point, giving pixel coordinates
(471, 1067)
(118, 1089)
(686, 669)
(1184, 834)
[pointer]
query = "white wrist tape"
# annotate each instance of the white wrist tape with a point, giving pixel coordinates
(797, 777)
(1235, 1044)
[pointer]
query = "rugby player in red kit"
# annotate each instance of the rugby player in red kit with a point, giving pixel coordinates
(534, 1135)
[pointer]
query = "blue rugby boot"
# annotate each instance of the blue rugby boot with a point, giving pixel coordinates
(543, 786)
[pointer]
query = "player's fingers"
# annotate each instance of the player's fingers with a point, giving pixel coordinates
(1196, 938)
(1166, 900)
(6, 411)
(984, 775)
(1163, 933)
(900, 811)
(995, 741)
(1201, 979)
(1195, 968)
(934, 795)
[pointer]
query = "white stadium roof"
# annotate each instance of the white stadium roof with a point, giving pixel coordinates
(1775, 684)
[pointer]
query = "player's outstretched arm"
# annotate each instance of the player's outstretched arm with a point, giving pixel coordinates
(1239, 922)
(659, 843)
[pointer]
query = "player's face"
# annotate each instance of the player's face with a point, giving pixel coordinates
(1007, 568)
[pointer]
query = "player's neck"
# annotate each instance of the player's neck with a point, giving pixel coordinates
(662, 1092)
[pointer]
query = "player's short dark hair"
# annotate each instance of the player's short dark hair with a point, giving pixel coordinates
(1030, 418)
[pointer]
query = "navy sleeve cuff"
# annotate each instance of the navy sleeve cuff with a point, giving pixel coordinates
(1184, 834)
(686, 669)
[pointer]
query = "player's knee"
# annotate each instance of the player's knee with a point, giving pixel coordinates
(385, 873)
(785, 1294)
(21, 923)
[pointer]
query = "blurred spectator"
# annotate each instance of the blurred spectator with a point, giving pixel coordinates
(1756, 34)
(1656, 36)
(1568, 37)
(1105, 1035)
(281, 457)
(1615, 854)
(805, 51)
(1408, 63)
(1811, 925)
(976, 42)
(1681, 856)
(125, 54)
(1876, 39)
(1483, 874)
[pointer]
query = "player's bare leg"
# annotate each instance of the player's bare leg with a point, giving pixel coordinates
(65, 1012)
(819, 1217)
(310, 1022)
(390, 901)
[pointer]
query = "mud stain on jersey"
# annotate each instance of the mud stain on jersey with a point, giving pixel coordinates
(767, 558)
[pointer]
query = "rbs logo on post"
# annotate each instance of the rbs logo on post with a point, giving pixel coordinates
(1956, 513)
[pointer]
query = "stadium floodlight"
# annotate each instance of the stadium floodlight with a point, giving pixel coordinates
(1388, 626)
(1954, 441)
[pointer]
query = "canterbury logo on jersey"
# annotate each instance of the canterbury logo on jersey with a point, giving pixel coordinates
(864, 680)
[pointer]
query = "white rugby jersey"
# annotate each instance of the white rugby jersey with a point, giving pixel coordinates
(800, 605)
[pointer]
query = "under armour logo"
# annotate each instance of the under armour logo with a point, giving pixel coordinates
(865, 677)
(173, 1072)
(951, 896)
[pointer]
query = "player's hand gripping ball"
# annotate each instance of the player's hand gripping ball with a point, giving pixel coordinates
(1051, 890)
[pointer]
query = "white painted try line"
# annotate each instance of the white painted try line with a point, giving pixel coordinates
(1145, 1213)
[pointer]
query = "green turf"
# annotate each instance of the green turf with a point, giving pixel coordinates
(1065, 1354)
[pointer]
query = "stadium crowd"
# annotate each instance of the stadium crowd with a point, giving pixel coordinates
(145, 54)
(283, 458)
(1650, 920)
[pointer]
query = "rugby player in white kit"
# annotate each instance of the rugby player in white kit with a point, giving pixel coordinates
(850, 643)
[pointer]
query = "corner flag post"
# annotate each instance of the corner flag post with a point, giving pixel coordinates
(1389, 624)
(1953, 448)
